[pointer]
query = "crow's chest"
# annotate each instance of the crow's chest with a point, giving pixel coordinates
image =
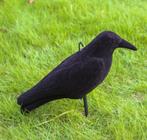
(95, 79)
(107, 66)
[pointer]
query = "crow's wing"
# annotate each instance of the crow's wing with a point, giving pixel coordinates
(81, 77)
(72, 81)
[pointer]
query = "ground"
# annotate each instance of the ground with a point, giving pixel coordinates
(35, 37)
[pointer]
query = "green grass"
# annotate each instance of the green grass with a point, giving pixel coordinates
(35, 38)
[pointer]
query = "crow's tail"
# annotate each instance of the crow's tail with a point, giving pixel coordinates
(33, 99)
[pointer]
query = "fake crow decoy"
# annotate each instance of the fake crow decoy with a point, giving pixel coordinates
(77, 75)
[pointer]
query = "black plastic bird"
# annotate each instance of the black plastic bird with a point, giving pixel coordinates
(77, 75)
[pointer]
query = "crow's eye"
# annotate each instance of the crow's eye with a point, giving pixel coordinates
(115, 41)
(112, 41)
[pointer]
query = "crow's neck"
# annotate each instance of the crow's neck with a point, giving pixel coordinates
(94, 50)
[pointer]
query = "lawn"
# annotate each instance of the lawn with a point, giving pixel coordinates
(34, 38)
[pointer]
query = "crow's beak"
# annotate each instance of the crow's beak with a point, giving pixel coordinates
(126, 44)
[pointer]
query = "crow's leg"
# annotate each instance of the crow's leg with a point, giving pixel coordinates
(85, 105)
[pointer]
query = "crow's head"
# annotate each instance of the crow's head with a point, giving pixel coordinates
(111, 40)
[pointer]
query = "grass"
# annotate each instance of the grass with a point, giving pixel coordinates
(34, 38)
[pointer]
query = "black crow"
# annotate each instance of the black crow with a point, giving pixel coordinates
(77, 75)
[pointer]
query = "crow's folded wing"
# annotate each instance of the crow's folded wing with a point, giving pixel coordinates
(72, 81)
(79, 78)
